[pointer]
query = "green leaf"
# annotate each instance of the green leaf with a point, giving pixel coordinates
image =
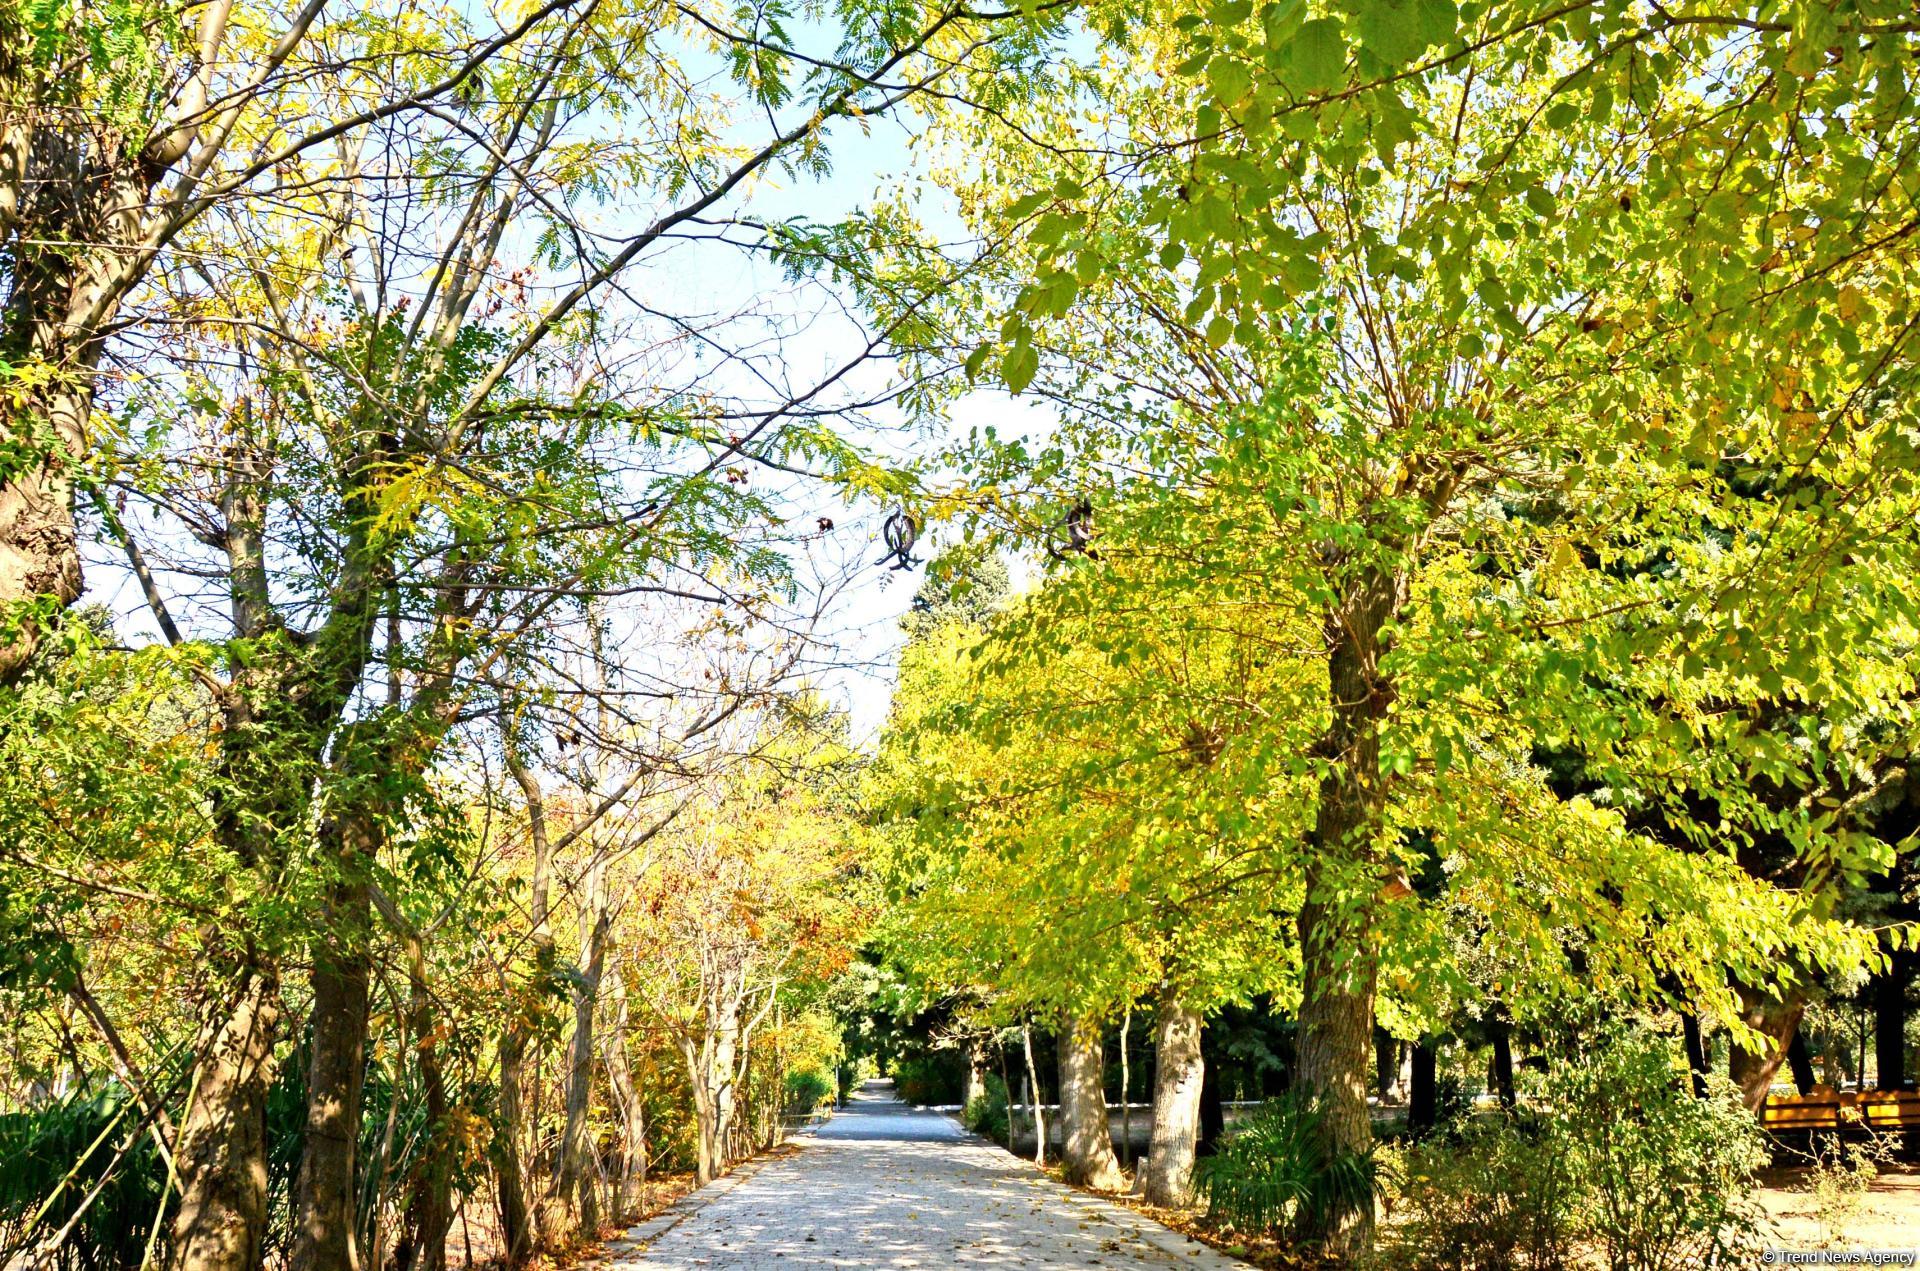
(1317, 57)
(1019, 366)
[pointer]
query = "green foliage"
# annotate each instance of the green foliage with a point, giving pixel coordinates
(809, 1090)
(1666, 1176)
(53, 1157)
(1498, 1196)
(987, 1114)
(1281, 1170)
(1616, 1155)
(933, 1077)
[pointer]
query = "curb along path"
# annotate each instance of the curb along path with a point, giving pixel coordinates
(881, 1185)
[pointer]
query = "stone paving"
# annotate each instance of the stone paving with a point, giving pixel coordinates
(881, 1185)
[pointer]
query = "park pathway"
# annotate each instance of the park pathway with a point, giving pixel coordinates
(881, 1185)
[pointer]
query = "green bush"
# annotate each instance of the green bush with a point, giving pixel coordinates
(1617, 1158)
(936, 1077)
(51, 1159)
(987, 1114)
(808, 1091)
(1499, 1195)
(1667, 1176)
(1277, 1171)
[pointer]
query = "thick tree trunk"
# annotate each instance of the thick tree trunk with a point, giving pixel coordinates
(1339, 966)
(39, 555)
(516, 1214)
(573, 1185)
(1386, 1065)
(1178, 1075)
(325, 1209)
(1776, 1021)
(976, 1072)
(1890, 1021)
(709, 1129)
(1502, 1031)
(1087, 1138)
(630, 1197)
(1213, 1108)
(222, 1150)
(1422, 1092)
(1800, 1062)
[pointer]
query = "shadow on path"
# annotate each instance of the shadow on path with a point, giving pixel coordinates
(882, 1185)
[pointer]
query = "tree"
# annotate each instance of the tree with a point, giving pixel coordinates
(1513, 286)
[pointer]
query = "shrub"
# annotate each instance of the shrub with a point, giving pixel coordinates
(1277, 1170)
(987, 1114)
(1499, 1196)
(1667, 1176)
(808, 1090)
(1840, 1179)
(933, 1078)
(1452, 1104)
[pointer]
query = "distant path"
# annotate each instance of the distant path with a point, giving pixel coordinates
(881, 1185)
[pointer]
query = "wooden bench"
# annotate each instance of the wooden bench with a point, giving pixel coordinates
(1841, 1110)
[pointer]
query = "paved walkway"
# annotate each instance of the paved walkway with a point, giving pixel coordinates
(881, 1185)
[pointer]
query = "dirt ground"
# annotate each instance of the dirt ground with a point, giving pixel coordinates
(1888, 1216)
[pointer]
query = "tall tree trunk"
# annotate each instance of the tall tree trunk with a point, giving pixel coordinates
(976, 1087)
(325, 1210)
(1087, 1137)
(1126, 1091)
(429, 1217)
(631, 1195)
(222, 1149)
(1753, 1071)
(1697, 1062)
(1039, 1118)
(573, 1184)
(1179, 1072)
(1213, 1108)
(1890, 1021)
(1502, 1030)
(1386, 1064)
(1339, 967)
(516, 1210)
(1422, 1092)
(39, 553)
(1800, 1062)
(706, 1109)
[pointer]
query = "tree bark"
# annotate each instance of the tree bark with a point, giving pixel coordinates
(1039, 1118)
(1178, 1074)
(1087, 1137)
(1213, 1110)
(1339, 967)
(633, 1113)
(1800, 1062)
(1697, 1061)
(325, 1209)
(39, 552)
(1422, 1094)
(1386, 1064)
(976, 1087)
(1890, 1021)
(222, 1150)
(1502, 1057)
(1776, 1021)
(516, 1211)
(573, 1184)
